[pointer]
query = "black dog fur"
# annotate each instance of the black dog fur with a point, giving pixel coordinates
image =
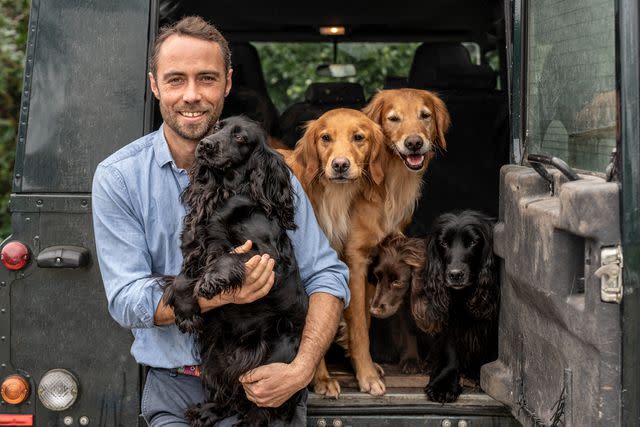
(458, 301)
(240, 189)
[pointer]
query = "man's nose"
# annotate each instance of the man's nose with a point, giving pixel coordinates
(191, 92)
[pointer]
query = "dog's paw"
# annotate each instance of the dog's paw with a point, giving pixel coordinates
(211, 285)
(189, 325)
(327, 387)
(371, 381)
(443, 392)
(410, 366)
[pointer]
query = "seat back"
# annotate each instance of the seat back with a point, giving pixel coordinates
(466, 176)
(319, 98)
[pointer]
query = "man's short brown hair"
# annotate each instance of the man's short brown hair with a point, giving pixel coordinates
(190, 26)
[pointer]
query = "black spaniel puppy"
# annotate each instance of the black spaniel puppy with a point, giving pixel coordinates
(458, 301)
(240, 189)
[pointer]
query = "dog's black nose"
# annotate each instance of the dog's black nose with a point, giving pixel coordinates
(413, 142)
(455, 275)
(340, 164)
(206, 144)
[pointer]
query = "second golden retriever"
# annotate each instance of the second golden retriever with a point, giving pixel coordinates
(414, 123)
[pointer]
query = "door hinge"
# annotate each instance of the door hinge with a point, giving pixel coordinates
(610, 274)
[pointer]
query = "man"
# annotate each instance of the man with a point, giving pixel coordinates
(138, 220)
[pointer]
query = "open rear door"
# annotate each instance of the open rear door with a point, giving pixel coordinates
(559, 238)
(560, 317)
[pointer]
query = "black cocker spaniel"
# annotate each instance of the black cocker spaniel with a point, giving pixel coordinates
(458, 301)
(240, 190)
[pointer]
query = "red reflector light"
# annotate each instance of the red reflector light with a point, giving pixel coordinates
(14, 255)
(16, 420)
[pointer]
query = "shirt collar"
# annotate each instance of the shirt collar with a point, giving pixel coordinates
(161, 148)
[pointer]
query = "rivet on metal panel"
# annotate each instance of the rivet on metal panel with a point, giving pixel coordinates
(3, 284)
(39, 202)
(463, 423)
(84, 421)
(321, 423)
(3, 338)
(3, 310)
(67, 420)
(337, 422)
(446, 423)
(3, 365)
(84, 203)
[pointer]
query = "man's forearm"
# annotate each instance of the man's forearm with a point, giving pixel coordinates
(319, 330)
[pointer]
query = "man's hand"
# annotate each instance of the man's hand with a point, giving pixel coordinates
(259, 278)
(271, 385)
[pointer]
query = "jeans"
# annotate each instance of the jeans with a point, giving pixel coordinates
(167, 395)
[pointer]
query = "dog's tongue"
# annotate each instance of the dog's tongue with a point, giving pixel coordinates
(415, 160)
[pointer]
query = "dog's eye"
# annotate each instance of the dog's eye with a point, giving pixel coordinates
(239, 138)
(424, 115)
(358, 137)
(398, 285)
(325, 137)
(443, 243)
(393, 118)
(217, 127)
(472, 242)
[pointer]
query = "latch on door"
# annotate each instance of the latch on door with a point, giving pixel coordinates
(610, 274)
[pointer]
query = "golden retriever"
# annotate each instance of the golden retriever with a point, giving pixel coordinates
(414, 123)
(337, 160)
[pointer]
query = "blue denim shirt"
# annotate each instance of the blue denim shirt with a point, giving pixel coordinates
(137, 219)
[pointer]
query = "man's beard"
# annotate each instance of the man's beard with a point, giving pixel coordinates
(193, 132)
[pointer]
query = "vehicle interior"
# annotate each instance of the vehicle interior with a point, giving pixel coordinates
(454, 48)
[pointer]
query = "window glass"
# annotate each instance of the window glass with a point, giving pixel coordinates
(571, 100)
(290, 67)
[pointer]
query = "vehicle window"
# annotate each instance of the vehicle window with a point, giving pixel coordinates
(570, 98)
(290, 67)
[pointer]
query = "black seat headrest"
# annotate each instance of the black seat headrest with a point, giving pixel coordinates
(335, 93)
(247, 70)
(448, 66)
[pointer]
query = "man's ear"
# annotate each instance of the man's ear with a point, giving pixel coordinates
(228, 88)
(154, 86)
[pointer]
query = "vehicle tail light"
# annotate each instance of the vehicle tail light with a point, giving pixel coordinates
(15, 389)
(14, 255)
(16, 420)
(58, 389)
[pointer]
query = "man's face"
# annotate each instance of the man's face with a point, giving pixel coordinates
(190, 84)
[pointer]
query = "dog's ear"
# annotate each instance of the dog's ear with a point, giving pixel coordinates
(442, 118)
(374, 108)
(377, 159)
(485, 300)
(270, 184)
(414, 253)
(306, 154)
(430, 305)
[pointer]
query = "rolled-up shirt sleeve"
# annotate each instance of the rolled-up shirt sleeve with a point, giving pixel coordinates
(320, 268)
(125, 263)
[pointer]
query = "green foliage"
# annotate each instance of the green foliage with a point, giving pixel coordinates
(14, 17)
(290, 67)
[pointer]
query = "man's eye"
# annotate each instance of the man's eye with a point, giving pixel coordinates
(175, 81)
(208, 78)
